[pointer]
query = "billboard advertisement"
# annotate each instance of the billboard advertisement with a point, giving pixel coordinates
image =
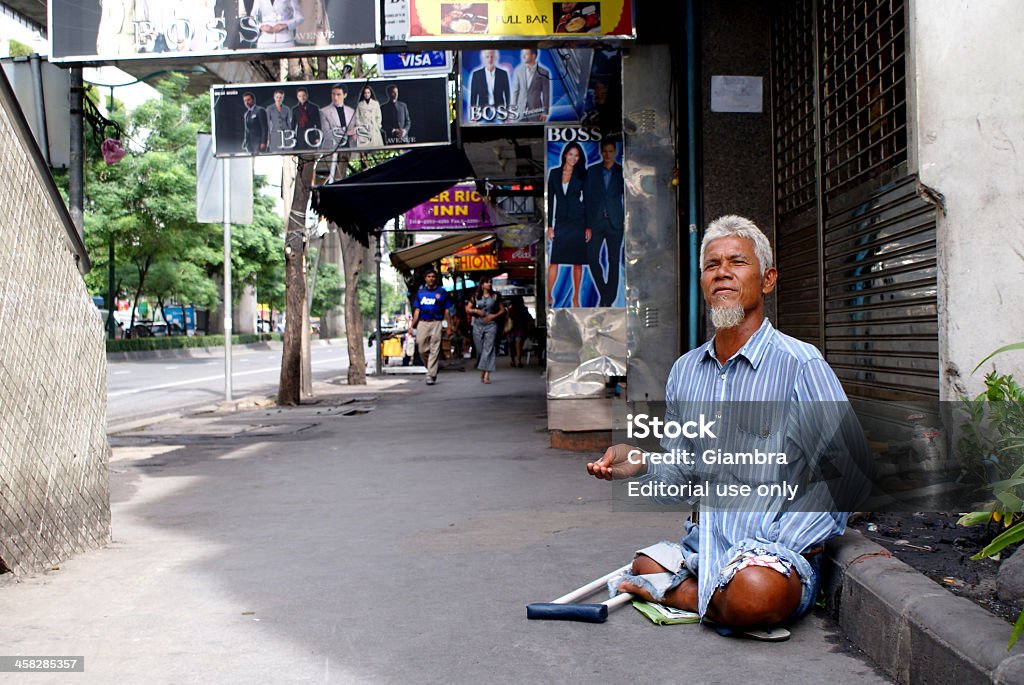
(435, 20)
(585, 216)
(326, 116)
(114, 30)
(427, 62)
(459, 207)
(528, 86)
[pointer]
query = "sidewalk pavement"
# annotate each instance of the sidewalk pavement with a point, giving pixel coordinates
(390, 533)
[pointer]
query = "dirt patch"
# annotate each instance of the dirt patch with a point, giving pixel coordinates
(933, 544)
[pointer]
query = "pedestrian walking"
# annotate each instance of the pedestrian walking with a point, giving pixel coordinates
(485, 308)
(430, 309)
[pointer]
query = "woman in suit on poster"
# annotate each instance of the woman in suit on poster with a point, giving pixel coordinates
(567, 219)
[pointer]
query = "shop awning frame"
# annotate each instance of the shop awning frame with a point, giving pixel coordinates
(412, 258)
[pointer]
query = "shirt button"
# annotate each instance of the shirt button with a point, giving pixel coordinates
(722, 376)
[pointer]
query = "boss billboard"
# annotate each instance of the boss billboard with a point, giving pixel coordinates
(325, 116)
(116, 30)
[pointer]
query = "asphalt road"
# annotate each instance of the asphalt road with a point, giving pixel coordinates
(148, 387)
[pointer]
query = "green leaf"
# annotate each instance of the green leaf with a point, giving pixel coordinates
(1003, 540)
(1017, 628)
(975, 518)
(1005, 348)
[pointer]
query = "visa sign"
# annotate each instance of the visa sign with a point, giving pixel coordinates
(431, 61)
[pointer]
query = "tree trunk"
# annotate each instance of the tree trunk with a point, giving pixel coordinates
(289, 388)
(353, 256)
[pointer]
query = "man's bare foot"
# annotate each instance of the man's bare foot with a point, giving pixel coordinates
(636, 590)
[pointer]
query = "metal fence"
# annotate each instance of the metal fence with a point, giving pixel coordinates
(54, 496)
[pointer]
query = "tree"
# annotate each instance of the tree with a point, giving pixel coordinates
(145, 204)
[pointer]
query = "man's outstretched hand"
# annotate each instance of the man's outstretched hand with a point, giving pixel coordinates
(619, 461)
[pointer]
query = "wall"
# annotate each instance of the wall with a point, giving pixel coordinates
(967, 139)
(54, 498)
(736, 152)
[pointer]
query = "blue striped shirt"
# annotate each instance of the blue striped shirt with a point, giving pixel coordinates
(785, 372)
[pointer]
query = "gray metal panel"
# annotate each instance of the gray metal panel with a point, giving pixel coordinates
(53, 114)
(881, 326)
(586, 348)
(797, 259)
(652, 234)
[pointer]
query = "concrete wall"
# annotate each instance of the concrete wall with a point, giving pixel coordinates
(54, 497)
(737, 147)
(967, 141)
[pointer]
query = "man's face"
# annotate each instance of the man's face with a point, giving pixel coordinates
(528, 57)
(730, 275)
(278, 99)
(430, 280)
(608, 154)
(247, 100)
(302, 96)
(488, 57)
(338, 97)
(393, 93)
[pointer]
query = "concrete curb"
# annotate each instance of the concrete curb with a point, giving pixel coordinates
(916, 631)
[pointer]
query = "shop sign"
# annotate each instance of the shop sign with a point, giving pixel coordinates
(518, 255)
(428, 62)
(460, 206)
(433, 20)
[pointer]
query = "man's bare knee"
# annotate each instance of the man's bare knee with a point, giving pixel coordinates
(643, 564)
(757, 595)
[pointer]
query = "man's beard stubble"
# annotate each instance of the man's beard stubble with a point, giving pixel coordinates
(727, 317)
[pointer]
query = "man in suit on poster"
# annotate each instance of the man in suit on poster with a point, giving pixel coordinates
(395, 118)
(606, 218)
(337, 119)
(531, 89)
(488, 85)
(306, 117)
(254, 126)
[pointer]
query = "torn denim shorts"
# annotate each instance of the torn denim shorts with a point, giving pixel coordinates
(679, 559)
(670, 556)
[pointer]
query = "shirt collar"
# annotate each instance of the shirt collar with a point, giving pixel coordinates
(753, 350)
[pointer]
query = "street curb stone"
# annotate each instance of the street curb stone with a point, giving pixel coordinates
(916, 631)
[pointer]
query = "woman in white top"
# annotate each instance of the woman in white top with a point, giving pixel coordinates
(277, 20)
(368, 120)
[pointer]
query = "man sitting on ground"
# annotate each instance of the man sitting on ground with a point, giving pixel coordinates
(741, 568)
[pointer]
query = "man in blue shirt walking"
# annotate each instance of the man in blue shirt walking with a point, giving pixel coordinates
(430, 308)
(745, 568)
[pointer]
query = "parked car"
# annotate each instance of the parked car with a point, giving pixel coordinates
(150, 329)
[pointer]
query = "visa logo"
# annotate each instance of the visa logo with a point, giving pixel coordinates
(414, 60)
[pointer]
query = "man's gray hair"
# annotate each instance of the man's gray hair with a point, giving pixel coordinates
(732, 225)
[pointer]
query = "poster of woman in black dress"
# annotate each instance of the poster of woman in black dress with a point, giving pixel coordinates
(566, 224)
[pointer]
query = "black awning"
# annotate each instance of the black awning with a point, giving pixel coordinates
(366, 201)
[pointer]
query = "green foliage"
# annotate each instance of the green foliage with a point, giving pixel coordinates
(392, 298)
(18, 49)
(992, 442)
(145, 205)
(181, 342)
(329, 289)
